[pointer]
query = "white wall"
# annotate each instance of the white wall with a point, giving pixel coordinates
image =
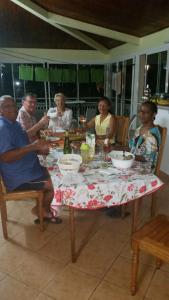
(162, 119)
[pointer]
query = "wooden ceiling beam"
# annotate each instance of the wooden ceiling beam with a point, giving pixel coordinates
(43, 14)
(55, 19)
(112, 34)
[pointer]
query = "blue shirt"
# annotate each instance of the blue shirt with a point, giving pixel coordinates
(23, 170)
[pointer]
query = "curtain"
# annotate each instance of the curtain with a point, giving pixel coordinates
(41, 74)
(55, 75)
(25, 72)
(84, 76)
(69, 75)
(97, 75)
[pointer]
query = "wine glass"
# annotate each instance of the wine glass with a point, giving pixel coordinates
(83, 121)
(106, 146)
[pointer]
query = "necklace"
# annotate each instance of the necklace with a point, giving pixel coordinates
(145, 129)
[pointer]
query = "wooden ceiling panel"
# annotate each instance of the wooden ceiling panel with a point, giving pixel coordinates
(20, 29)
(108, 43)
(136, 17)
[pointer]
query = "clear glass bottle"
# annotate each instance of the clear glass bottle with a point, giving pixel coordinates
(67, 148)
(84, 150)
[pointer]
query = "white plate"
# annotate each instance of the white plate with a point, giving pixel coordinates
(60, 130)
(53, 138)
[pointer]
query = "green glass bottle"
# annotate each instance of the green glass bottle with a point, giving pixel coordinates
(67, 149)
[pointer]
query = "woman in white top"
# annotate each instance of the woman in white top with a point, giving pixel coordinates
(60, 116)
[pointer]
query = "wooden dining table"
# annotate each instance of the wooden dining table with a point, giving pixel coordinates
(98, 185)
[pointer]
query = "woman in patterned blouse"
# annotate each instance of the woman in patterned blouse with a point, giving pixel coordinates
(146, 141)
(60, 116)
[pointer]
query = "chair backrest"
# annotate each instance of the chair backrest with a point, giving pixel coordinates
(163, 131)
(2, 186)
(130, 130)
(90, 113)
(122, 125)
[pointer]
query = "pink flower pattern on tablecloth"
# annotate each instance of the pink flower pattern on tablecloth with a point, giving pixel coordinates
(154, 183)
(142, 189)
(107, 198)
(91, 186)
(99, 191)
(130, 187)
(92, 203)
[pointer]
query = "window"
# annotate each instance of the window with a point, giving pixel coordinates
(67, 85)
(91, 82)
(6, 86)
(156, 71)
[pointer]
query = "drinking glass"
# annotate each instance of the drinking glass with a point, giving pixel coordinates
(83, 121)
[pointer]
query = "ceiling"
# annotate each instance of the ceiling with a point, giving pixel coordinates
(79, 25)
(136, 17)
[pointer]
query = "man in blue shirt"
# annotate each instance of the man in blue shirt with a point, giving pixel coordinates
(19, 164)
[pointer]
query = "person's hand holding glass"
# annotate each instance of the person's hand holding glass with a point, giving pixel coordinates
(83, 121)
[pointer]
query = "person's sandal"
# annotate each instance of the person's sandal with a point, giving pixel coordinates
(54, 220)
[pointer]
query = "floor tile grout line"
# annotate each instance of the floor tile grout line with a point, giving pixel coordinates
(23, 283)
(31, 287)
(149, 283)
(44, 295)
(43, 290)
(101, 279)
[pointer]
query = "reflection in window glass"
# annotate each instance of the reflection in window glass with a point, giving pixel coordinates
(156, 72)
(28, 86)
(114, 67)
(67, 88)
(6, 87)
(162, 72)
(90, 90)
(152, 71)
(128, 87)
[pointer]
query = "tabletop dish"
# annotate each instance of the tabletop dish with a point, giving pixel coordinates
(52, 138)
(122, 159)
(69, 163)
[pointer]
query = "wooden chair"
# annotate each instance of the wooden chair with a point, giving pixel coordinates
(121, 136)
(17, 196)
(152, 238)
(163, 132)
(122, 125)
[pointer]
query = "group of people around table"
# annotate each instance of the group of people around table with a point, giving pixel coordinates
(20, 145)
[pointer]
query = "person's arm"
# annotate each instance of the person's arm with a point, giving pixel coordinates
(69, 119)
(23, 119)
(16, 154)
(41, 124)
(91, 123)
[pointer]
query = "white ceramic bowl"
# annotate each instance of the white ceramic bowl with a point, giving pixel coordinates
(119, 161)
(69, 163)
(52, 138)
(59, 130)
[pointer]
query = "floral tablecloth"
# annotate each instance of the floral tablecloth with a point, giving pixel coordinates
(98, 185)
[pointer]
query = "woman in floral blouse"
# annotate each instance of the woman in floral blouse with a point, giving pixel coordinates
(146, 141)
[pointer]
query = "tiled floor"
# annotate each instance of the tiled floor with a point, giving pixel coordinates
(37, 266)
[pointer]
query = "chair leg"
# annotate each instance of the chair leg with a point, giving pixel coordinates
(4, 219)
(135, 266)
(158, 263)
(135, 214)
(153, 205)
(123, 210)
(40, 206)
